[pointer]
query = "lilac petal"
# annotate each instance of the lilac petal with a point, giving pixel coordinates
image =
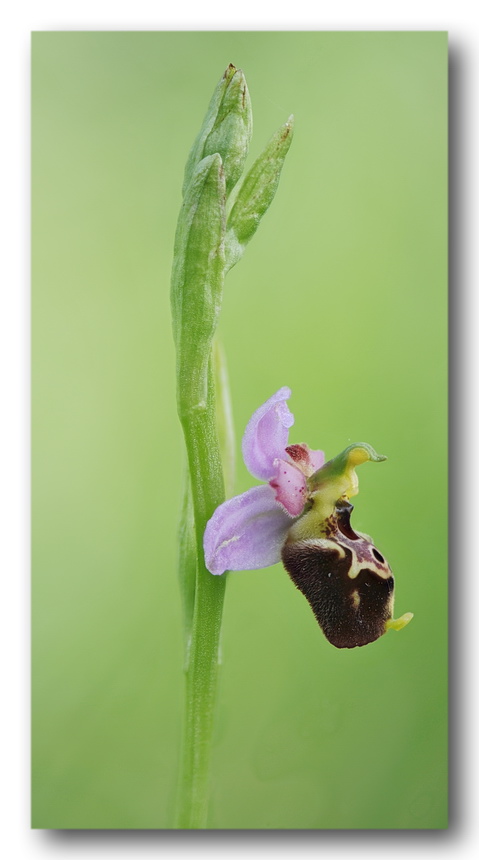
(246, 532)
(266, 435)
(290, 488)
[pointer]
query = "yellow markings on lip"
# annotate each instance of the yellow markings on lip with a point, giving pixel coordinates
(324, 543)
(357, 566)
(355, 598)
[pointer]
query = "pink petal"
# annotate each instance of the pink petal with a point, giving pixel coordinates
(246, 532)
(305, 459)
(290, 488)
(316, 459)
(266, 435)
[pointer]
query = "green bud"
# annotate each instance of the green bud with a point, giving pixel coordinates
(227, 129)
(197, 279)
(256, 194)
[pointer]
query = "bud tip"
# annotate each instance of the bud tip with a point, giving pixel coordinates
(229, 72)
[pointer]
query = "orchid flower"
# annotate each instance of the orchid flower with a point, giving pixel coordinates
(302, 517)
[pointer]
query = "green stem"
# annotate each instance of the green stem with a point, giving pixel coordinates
(224, 417)
(199, 427)
(187, 559)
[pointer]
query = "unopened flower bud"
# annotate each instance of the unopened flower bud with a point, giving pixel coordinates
(227, 128)
(256, 193)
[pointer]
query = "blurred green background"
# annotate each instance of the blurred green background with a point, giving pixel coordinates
(342, 296)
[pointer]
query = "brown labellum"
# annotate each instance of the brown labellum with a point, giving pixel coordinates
(346, 580)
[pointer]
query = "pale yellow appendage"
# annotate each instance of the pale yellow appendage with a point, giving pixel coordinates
(399, 623)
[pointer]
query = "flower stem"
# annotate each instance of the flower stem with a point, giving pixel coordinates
(200, 430)
(214, 166)
(224, 417)
(187, 559)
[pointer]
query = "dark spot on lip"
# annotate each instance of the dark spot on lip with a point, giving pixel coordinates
(378, 555)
